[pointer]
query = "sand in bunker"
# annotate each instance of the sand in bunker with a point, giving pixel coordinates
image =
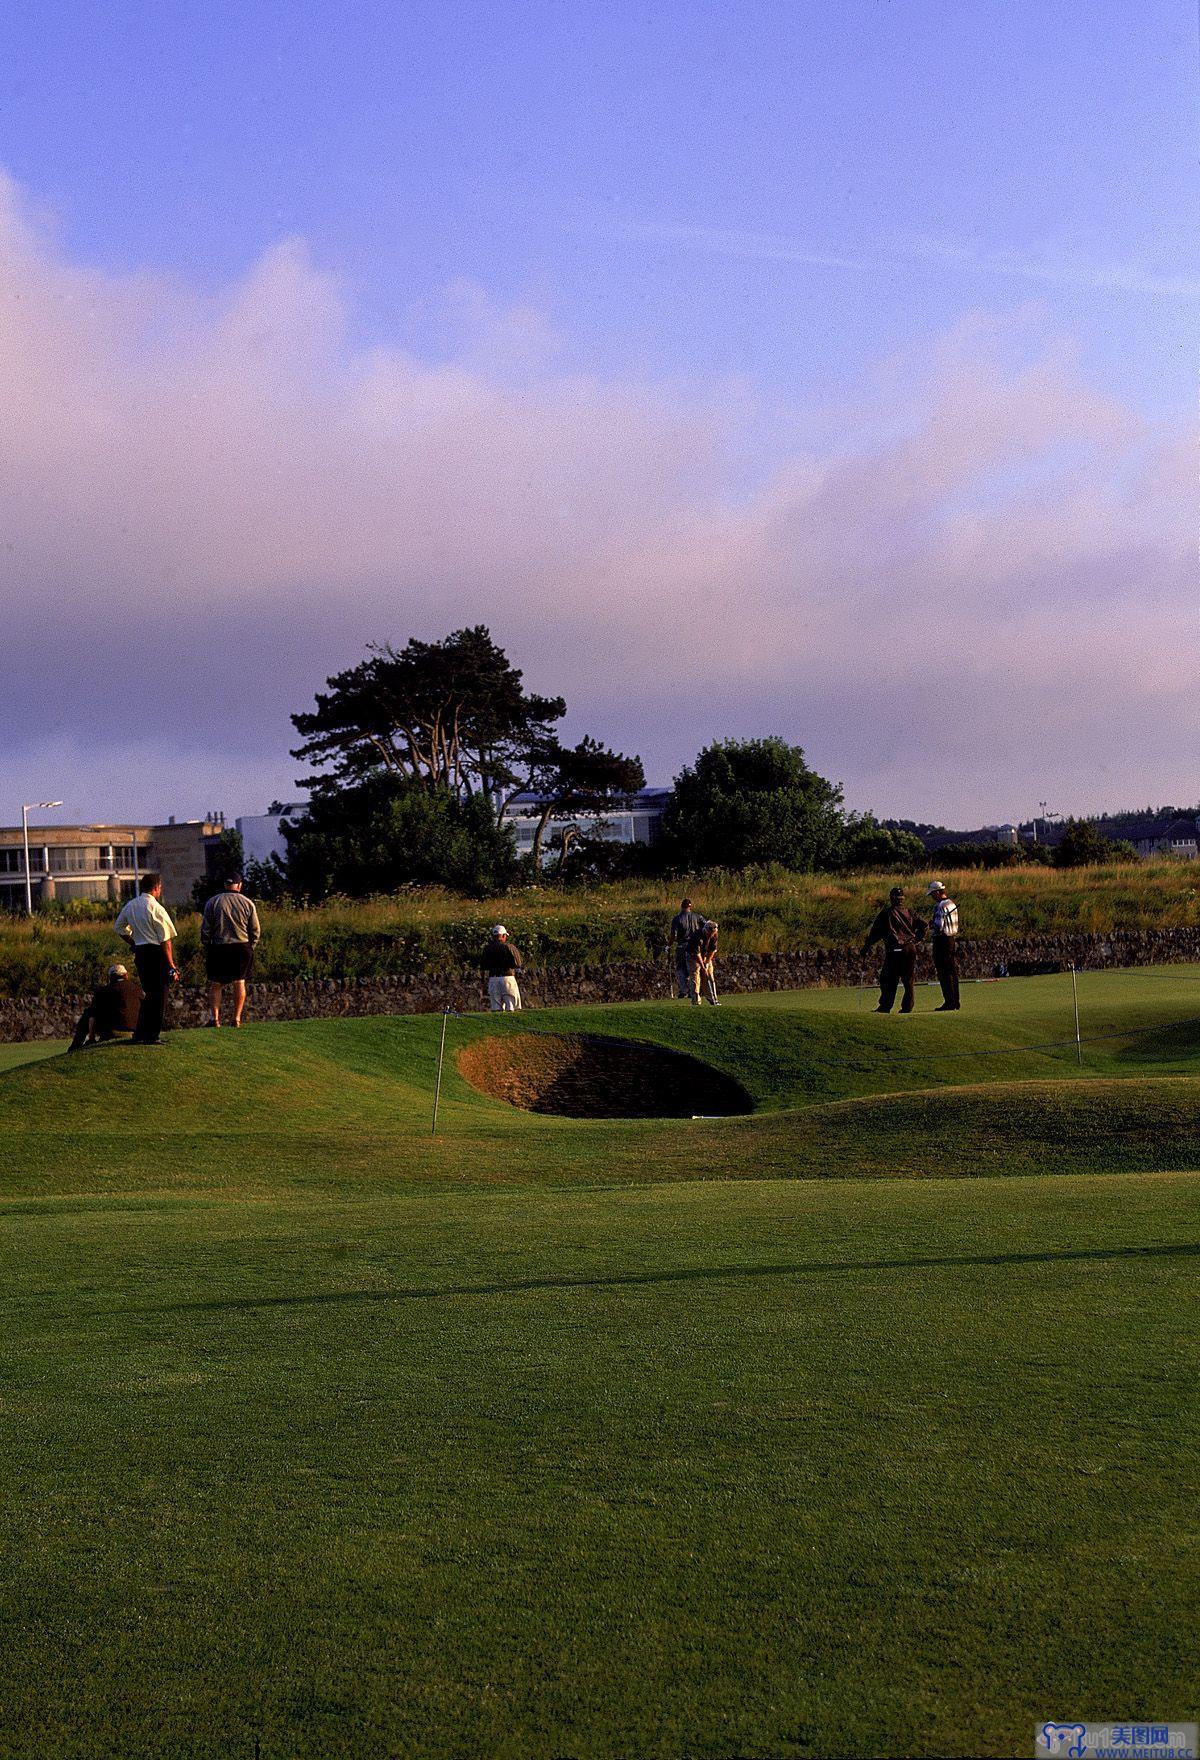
(581, 1075)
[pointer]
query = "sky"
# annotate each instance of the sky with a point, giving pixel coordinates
(779, 368)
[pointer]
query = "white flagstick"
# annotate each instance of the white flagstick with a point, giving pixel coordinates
(437, 1092)
(1075, 995)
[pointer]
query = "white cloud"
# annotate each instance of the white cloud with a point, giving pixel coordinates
(979, 590)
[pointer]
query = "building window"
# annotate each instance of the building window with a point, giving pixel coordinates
(73, 859)
(12, 861)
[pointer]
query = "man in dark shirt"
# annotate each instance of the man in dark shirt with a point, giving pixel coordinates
(684, 924)
(899, 930)
(501, 961)
(112, 1010)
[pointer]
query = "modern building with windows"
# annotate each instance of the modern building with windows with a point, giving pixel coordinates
(69, 862)
(638, 819)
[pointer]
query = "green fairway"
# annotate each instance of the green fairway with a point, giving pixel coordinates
(12, 1055)
(781, 1435)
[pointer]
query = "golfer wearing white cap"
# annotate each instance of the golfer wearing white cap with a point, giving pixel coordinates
(945, 945)
(501, 962)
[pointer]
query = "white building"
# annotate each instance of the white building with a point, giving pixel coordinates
(262, 833)
(637, 820)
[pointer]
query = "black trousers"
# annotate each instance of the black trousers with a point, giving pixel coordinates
(154, 974)
(945, 964)
(898, 968)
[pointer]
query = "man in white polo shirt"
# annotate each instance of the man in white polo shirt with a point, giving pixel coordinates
(146, 924)
(945, 945)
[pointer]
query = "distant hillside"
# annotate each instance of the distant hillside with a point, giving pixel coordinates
(1150, 829)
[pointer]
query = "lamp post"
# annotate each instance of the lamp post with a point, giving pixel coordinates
(25, 811)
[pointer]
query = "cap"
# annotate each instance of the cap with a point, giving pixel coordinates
(235, 879)
(499, 929)
(118, 971)
(935, 886)
(896, 892)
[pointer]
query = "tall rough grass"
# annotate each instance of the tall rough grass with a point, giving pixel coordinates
(768, 911)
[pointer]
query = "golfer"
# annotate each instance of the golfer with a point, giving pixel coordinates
(945, 945)
(229, 933)
(900, 931)
(145, 923)
(501, 962)
(684, 925)
(702, 951)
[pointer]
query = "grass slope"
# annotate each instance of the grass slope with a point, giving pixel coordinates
(768, 911)
(560, 1438)
(344, 1104)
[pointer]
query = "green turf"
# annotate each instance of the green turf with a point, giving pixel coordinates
(13, 1055)
(561, 1438)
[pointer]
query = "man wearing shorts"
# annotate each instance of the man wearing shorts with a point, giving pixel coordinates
(501, 962)
(229, 932)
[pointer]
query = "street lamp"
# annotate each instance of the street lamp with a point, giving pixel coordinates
(25, 811)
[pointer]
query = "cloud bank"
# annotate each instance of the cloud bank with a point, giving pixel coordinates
(974, 591)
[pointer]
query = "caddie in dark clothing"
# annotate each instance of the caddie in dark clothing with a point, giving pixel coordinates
(113, 1010)
(684, 924)
(900, 931)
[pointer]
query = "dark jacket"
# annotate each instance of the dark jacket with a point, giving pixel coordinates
(113, 1009)
(683, 926)
(500, 959)
(898, 929)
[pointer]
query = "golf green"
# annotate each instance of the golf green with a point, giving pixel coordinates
(862, 1424)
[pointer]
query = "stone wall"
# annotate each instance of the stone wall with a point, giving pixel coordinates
(632, 981)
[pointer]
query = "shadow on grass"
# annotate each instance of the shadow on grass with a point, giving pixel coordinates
(1189, 1249)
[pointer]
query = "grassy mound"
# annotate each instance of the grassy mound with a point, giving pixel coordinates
(585, 1075)
(347, 1104)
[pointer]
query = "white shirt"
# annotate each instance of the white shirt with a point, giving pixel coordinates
(945, 917)
(144, 922)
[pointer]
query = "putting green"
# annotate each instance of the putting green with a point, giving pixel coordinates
(555, 1436)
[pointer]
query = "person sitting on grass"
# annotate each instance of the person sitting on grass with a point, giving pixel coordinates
(501, 961)
(112, 1012)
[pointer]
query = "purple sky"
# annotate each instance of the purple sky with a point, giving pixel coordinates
(827, 372)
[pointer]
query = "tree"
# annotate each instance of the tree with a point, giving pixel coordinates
(389, 831)
(451, 722)
(749, 802)
(222, 857)
(583, 781)
(451, 715)
(877, 848)
(1082, 846)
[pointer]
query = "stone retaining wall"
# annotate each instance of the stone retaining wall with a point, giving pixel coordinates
(631, 981)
